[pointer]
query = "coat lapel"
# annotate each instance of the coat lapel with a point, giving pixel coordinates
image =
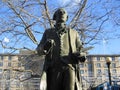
(72, 40)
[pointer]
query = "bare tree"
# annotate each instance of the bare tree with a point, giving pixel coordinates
(24, 21)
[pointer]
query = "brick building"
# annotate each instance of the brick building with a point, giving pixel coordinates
(16, 70)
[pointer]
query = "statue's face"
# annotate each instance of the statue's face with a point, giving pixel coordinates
(61, 16)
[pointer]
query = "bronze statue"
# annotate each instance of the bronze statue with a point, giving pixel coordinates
(62, 48)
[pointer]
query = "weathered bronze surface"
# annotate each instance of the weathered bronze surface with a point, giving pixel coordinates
(61, 46)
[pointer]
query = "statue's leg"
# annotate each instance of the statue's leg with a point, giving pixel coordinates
(54, 79)
(69, 79)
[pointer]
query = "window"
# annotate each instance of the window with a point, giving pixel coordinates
(19, 64)
(113, 58)
(81, 65)
(1, 64)
(119, 60)
(10, 58)
(82, 71)
(99, 71)
(113, 65)
(98, 65)
(114, 71)
(1, 57)
(89, 58)
(89, 65)
(98, 58)
(0, 70)
(9, 64)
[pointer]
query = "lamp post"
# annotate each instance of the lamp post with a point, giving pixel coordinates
(108, 62)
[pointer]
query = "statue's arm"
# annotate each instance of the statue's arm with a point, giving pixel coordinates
(40, 47)
(79, 46)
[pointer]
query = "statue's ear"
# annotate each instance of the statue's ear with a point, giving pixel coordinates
(67, 17)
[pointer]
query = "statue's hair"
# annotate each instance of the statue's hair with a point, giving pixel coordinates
(55, 14)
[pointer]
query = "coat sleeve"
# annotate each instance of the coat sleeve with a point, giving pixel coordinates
(40, 47)
(79, 45)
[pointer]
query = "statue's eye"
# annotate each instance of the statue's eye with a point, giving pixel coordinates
(61, 12)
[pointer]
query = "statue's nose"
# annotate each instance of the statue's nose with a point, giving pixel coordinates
(62, 12)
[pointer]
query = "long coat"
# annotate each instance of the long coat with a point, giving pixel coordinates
(75, 45)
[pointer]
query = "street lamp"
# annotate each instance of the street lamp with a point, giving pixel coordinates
(108, 62)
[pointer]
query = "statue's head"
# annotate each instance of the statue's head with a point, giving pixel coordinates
(60, 15)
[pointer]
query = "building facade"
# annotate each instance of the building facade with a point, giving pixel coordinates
(18, 71)
(8, 66)
(14, 75)
(95, 71)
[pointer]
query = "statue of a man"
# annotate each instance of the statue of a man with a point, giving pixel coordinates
(62, 47)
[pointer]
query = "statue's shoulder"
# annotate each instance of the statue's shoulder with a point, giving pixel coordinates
(49, 30)
(72, 30)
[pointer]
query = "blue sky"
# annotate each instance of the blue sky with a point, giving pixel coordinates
(104, 46)
(110, 47)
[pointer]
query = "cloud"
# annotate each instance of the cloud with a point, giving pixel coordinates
(63, 2)
(70, 2)
(6, 40)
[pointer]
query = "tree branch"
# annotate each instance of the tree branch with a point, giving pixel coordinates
(77, 15)
(47, 13)
(97, 31)
(27, 29)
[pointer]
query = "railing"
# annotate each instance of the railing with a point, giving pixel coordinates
(32, 84)
(95, 81)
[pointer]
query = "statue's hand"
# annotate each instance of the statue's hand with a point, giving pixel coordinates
(48, 45)
(83, 57)
(79, 56)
